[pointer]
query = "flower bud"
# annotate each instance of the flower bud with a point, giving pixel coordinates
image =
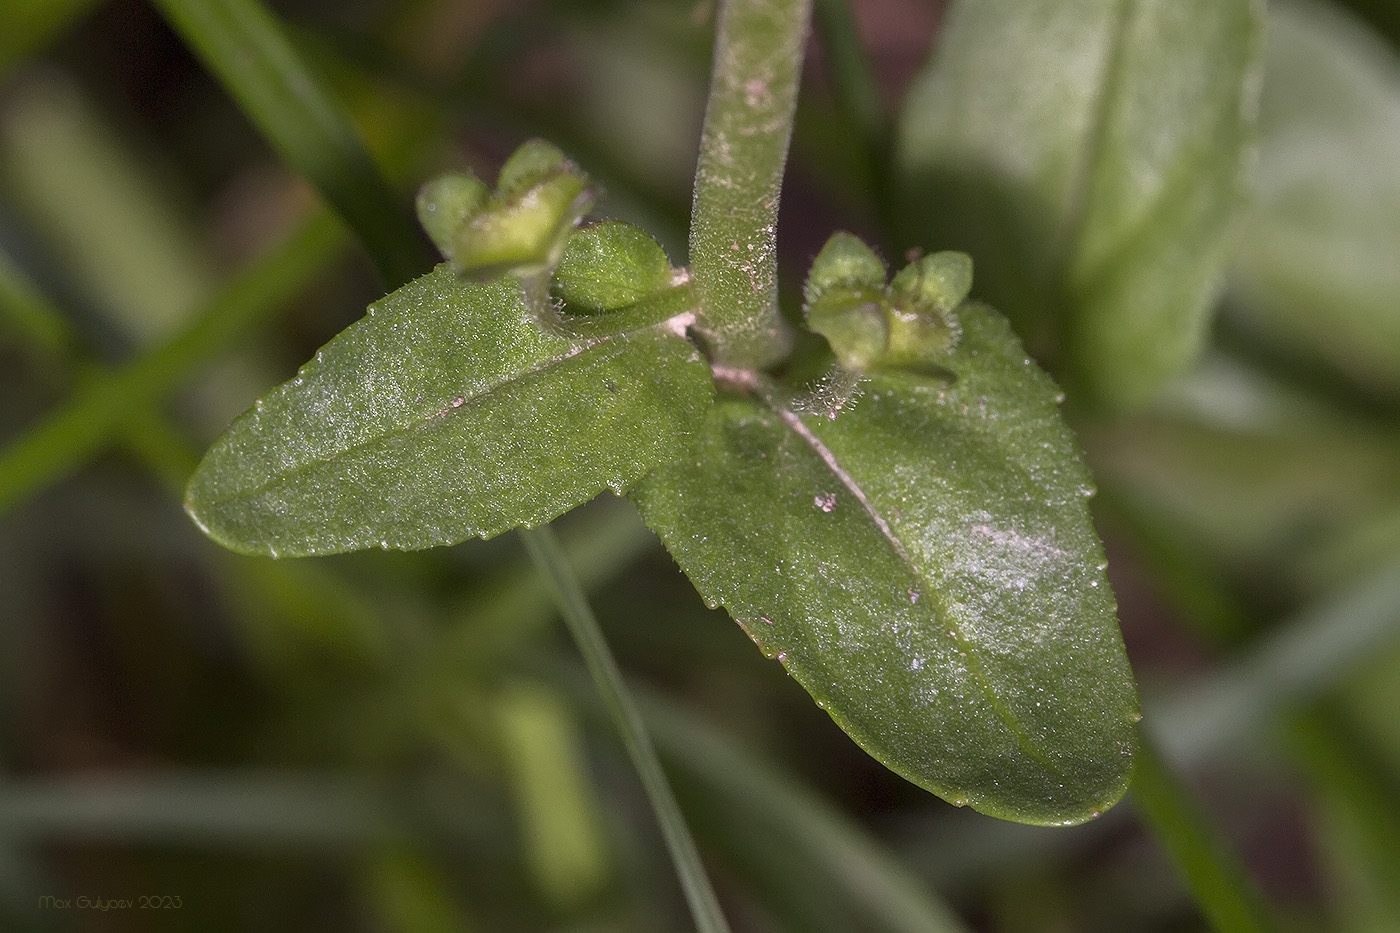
(908, 324)
(843, 261)
(446, 203)
(521, 228)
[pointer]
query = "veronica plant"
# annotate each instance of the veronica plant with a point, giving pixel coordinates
(921, 560)
(915, 547)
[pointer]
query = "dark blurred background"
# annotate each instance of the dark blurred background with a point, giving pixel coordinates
(407, 741)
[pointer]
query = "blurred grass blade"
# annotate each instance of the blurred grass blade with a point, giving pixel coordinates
(497, 619)
(556, 801)
(855, 82)
(544, 548)
(1219, 884)
(858, 96)
(108, 211)
(245, 46)
(407, 890)
(1354, 796)
(104, 404)
(28, 318)
(832, 855)
(1303, 657)
(200, 809)
(26, 25)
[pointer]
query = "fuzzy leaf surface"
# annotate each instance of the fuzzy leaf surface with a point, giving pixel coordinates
(1090, 157)
(447, 412)
(924, 565)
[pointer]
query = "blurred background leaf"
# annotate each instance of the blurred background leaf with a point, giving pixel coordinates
(1315, 278)
(1092, 168)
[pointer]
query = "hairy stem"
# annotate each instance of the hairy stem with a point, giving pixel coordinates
(733, 227)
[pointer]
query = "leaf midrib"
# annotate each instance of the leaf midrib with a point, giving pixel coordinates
(469, 403)
(967, 646)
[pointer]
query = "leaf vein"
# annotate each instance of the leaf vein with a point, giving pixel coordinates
(994, 698)
(464, 402)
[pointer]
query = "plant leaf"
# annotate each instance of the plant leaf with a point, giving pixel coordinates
(1089, 156)
(925, 566)
(447, 412)
(1317, 269)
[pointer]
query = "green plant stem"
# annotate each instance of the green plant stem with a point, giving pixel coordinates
(244, 45)
(1217, 881)
(545, 550)
(497, 620)
(743, 148)
(107, 402)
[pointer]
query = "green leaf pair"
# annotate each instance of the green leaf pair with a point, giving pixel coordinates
(922, 561)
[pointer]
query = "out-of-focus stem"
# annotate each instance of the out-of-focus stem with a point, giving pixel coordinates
(549, 557)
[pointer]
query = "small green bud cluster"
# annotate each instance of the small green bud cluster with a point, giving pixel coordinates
(521, 228)
(871, 323)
